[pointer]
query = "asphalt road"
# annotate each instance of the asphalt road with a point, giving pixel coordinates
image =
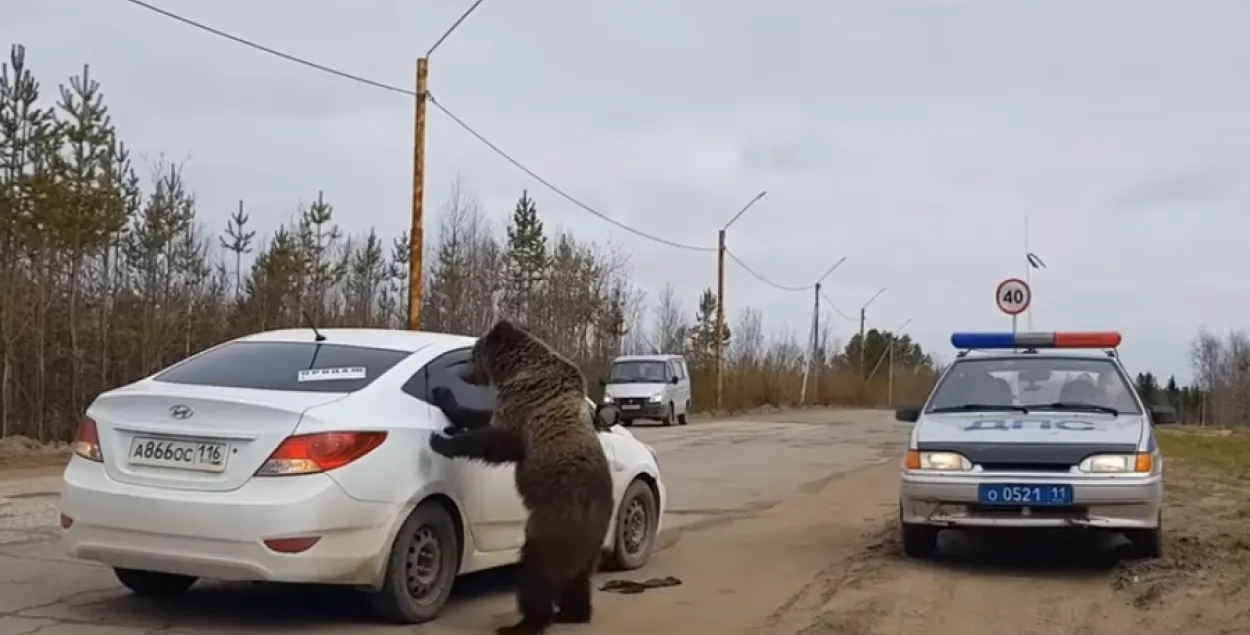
(718, 472)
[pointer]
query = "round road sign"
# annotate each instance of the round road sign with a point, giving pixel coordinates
(1013, 296)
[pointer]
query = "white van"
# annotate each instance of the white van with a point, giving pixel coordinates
(652, 387)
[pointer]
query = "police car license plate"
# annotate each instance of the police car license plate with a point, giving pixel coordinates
(1025, 495)
(630, 406)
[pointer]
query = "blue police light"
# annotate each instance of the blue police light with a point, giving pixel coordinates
(984, 340)
(1062, 339)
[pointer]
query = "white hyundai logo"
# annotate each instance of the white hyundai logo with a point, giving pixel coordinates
(181, 412)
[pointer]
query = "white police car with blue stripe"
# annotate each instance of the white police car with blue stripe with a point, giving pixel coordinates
(1033, 430)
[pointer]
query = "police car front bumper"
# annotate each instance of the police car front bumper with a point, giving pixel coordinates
(1099, 502)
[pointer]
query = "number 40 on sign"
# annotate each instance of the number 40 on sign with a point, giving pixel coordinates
(1013, 296)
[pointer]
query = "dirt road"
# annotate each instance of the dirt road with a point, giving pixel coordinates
(780, 525)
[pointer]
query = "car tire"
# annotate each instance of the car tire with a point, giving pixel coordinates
(154, 584)
(668, 415)
(427, 540)
(634, 534)
(684, 417)
(919, 541)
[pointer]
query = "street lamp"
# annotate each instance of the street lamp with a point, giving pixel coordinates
(863, 313)
(720, 294)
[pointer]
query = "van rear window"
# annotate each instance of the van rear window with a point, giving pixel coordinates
(289, 366)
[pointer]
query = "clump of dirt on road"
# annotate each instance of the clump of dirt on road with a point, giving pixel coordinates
(18, 451)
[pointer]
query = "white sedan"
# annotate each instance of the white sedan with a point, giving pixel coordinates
(302, 456)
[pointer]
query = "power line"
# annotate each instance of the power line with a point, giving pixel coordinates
(559, 192)
(775, 285)
(410, 93)
(265, 49)
(835, 308)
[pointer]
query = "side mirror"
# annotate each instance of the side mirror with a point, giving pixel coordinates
(603, 382)
(675, 380)
(606, 416)
(1162, 415)
(907, 415)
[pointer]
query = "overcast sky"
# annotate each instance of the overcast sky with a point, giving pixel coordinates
(910, 137)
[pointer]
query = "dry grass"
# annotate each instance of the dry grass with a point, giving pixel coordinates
(1225, 452)
(749, 388)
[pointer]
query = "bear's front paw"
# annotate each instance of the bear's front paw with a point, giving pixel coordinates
(441, 445)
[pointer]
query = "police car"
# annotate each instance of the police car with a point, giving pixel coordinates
(1033, 430)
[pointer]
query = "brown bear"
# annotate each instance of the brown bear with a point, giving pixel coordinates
(540, 423)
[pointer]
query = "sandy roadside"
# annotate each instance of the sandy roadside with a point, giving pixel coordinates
(827, 562)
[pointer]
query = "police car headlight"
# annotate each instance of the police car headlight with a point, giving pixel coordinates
(607, 399)
(1141, 463)
(655, 398)
(942, 461)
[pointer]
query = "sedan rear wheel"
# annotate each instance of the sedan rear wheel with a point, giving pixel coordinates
(422, 567)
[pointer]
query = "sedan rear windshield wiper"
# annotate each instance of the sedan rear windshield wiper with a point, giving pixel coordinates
(980, 407)
(1075, 405)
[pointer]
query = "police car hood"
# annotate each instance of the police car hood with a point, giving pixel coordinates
(1043, 427)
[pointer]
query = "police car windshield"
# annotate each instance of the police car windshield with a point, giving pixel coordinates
(1034, 383)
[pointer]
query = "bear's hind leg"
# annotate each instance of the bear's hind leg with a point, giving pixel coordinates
(575, 600)
(536, 593)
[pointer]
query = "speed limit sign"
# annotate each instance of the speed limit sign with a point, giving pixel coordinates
(1013, 296)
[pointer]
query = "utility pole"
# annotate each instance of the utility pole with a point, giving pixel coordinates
(809, 369)
(416, 236)
(863, 342)
(720, 315)
(863, 345)
(816, 346)
(890, 382)
(720, 297)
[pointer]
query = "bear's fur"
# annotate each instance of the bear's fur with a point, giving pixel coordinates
(562, 474)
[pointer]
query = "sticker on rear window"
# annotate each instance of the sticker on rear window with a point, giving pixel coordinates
(332, 374)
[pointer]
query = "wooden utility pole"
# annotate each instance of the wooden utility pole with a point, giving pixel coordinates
(720, 316)
(416, 236)
(816, 364)
(810, 368)
(863, 313)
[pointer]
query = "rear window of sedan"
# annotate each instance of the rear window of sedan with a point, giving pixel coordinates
(288, 366)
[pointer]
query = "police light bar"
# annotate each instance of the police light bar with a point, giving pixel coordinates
(1062, 339)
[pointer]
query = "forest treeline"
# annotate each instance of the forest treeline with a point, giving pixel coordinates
(109, 271)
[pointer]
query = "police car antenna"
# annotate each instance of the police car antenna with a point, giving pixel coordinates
(317, 336)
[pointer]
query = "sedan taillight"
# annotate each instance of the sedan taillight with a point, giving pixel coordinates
(87, 440)
(319, 452)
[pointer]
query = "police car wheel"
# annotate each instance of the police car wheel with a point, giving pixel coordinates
(1145, 544)
(919, 541)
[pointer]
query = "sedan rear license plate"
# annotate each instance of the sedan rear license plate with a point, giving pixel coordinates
(1025, 495)
(630, 406)
(199, 456)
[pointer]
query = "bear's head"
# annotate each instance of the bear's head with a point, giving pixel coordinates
(502, 352)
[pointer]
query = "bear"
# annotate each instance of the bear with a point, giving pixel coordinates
(563, 477)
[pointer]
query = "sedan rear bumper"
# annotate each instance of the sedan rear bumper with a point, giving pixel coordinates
(221, 535)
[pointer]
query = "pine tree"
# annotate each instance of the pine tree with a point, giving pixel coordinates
(703, 334)
(526, 261)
